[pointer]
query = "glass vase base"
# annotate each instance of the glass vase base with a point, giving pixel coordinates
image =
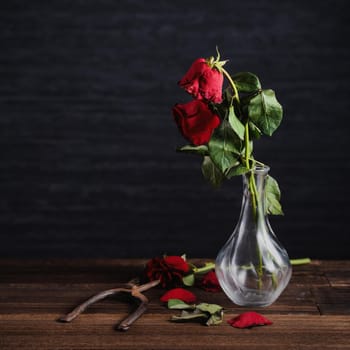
(250, 298)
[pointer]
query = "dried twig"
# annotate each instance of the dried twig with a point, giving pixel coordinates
(134, 290)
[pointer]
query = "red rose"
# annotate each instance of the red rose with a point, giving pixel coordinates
(169, 270)
(195, 121)
(210, 282)
(203, 81)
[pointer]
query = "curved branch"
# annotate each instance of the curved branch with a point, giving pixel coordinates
(135, 291)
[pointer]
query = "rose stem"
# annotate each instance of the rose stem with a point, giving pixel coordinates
(135, 291)
(251, 183)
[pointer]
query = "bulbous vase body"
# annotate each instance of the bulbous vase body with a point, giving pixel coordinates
(252, 267)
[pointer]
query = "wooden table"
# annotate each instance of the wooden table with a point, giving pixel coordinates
(312, 313)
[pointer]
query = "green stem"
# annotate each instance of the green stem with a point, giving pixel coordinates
(260, 268)
(204, 269)
(233, 85)
(252, 186)
(256, 161)
(247, 146)
(300, 261)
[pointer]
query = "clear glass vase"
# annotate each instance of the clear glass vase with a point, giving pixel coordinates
(252, 267)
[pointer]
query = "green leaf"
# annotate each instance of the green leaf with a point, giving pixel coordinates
(215, 311)
(178, 304)
(215, 319)
(202, 149)
(224, 147)
(185, 315)
(246, 82)
(210, 308)
(235, 123)
(272, 197)
(265, 111)
(211, 173)
(237, 170)
(254, 131)
(188, 280)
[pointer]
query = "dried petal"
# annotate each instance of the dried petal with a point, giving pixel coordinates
(179, 293)
(249, 319)
(210, 282)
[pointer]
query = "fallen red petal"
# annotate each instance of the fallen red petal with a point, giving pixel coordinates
(179, 293)
(249, 319)
(210, 282)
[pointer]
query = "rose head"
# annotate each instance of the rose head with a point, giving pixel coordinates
(169, 270)
(203, 81)
(196, 121)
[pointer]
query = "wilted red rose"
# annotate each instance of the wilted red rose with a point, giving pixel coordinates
(203, 81)
(196, 121)
(249, 319)
(210, 282)
(179, 293)
(169, 270)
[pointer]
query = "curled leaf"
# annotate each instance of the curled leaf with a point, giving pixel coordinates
(272, 197)
(188, 280)
(185, 315)
(210, 308)
(212, 314)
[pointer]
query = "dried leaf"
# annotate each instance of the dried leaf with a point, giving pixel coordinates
(185, 315)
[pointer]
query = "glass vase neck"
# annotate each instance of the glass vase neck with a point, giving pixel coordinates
(253, 201)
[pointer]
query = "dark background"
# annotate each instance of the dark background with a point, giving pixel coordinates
(88, 166)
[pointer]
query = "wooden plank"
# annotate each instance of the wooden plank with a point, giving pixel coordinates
(332, 300)
(155, 332)
(34, 294)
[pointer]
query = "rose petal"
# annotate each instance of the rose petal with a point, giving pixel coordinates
(177, 263)
(249, 319)
(179, 293)
(210, 282)
(196, 121)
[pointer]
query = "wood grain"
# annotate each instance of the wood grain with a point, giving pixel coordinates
(310, 314)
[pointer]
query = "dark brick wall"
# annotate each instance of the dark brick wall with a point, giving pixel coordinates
(88, 164)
